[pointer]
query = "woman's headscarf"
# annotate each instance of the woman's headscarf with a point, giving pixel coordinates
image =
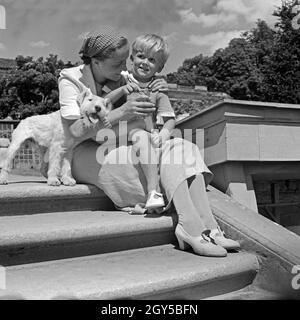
(96, 42)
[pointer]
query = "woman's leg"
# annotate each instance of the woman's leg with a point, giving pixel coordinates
(199, 197)
(189, 231)
(188, 216)
(85, 168)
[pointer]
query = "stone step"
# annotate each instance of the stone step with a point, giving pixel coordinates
(160, 272)
(33, 195)
(249, 293)
(57, 235)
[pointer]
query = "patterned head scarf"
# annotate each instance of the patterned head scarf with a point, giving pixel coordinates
(96, 42)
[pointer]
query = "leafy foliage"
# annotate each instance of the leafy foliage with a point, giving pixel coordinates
(187, 106)
(31, 88)
(263, 64)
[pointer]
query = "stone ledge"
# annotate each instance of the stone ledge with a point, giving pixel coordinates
(40, 190)
(57, 235)
(25, 197)
(277, 247)
(160, 272)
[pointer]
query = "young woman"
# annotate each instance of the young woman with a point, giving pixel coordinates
(104, 54)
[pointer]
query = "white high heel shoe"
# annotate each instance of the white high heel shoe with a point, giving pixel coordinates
(217, 236)
(201, 245)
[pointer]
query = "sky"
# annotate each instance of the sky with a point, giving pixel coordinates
(40, 27)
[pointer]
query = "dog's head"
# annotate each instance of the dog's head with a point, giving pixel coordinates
(92, 106)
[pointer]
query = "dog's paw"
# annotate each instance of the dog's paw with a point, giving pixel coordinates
(68, 181)
(53, 181)
(3, 181)
(3, 177)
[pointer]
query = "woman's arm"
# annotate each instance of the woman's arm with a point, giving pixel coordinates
(84, 129)
(68, 93)
(115, 95)
(128, 88)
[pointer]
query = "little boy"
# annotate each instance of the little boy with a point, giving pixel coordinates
(149, 55)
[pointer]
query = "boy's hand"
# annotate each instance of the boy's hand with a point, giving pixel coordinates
(137, 105)
(155, 139)
(131, 87)
(159, 138)
(159, 85)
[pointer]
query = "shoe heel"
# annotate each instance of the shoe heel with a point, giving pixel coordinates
(182, 245)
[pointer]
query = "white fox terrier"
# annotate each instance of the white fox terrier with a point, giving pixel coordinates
(52, 134)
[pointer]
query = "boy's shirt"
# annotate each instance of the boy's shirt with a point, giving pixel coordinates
(164, 109)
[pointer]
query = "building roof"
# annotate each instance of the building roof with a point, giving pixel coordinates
(7, 63)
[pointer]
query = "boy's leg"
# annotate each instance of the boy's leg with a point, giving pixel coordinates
(147, 157)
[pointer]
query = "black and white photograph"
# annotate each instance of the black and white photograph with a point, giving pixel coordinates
(149, 151)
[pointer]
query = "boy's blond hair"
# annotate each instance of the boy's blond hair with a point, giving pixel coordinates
(150, 43)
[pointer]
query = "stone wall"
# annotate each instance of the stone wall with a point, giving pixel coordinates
(194, 93)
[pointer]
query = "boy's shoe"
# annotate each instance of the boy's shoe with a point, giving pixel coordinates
(155, 200)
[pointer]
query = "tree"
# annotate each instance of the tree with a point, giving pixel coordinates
(282, 68)
(263, 64)
(192, 72)
(32, 87)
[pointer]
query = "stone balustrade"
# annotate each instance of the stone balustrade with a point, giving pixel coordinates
(247, 142)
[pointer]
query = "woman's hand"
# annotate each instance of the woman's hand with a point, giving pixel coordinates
(159, 85)
(130, 87)
(140, 106)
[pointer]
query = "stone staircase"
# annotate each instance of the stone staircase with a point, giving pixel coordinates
(70, 243)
